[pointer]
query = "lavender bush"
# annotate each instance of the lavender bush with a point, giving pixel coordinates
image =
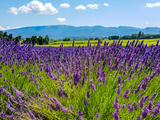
(80, 83)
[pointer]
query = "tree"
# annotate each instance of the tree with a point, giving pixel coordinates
(40, 40)
(115, 37)
(66, 39)
(34, 39)
(5, 34)
(1, 35)
(134, 36)
(96, 38)
(46, 39)
(139, 34)
(10, 36)
(18, 38)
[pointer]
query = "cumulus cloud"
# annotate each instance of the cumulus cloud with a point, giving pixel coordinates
(80, 7)
(150, 5)
(106, 4)
(62, 20)
(1, 28)
(93, 6)
(35, 7)
(16, 27)
(8, 28)
(64, 5)
(13, 10)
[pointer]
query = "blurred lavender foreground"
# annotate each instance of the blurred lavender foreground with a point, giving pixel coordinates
(80, 83)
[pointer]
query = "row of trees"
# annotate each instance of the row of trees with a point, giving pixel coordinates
(34, 39)
(9, 37)
(140, 35)
(37, 40)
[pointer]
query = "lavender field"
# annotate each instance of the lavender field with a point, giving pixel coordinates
(110, 82)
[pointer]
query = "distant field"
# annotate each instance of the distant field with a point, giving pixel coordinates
(149, 42)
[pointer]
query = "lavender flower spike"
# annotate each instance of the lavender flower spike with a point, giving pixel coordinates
(126, 94)
(145, 112)
(88, 95)
(115, 115)
(138, 118)
(92, 85)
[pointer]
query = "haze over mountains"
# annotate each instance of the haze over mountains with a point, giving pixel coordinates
(63, 31)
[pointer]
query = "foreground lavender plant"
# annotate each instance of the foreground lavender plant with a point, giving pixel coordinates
(46, 82)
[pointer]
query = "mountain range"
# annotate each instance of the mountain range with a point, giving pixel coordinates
(63, 31)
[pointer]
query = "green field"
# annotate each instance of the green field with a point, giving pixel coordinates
(149, 42)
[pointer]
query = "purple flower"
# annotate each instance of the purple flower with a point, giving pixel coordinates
(13, 71)
(145, 112)
(126, 94)
(119, 80)
(71, 106)
(77, 78)
(51, 106)
(88, 95)
(80, 113)
(150, 106)
(130, 75)
(64, 109)
(156, 111)
(123, 106)
(137, 89)
(158, 104)
(135, 105)
(138, 118)
(153, 96)
(10, 116)
(130, 109)
(92, 85)
(80, 118)
(97, 115)
(3, 115)
(141, 102)
(115, 115)
(85, 102)
(119, 90)
(32, 115)
(116, 105)
(1, 75)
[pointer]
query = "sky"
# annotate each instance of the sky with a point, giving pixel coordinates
(108, 13)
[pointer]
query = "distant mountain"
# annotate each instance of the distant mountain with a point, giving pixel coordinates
(63, 31)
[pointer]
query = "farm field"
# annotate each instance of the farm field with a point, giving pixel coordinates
(111, 81)
(53, 43)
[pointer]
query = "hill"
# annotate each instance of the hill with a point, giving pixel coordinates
(63, 31)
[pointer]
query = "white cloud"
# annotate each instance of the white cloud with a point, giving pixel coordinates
(80, 7)
(147, 22)
(35, 7)
(1, 28)
(106, 4)
(13, 10)
(153, 4)
(64, 5)
(16, 27)
(8, 28)
(62, 20)
(93, 6)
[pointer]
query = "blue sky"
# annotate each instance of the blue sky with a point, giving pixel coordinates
(108, 13)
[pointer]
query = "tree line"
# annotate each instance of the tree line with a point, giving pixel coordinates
(34, 39)
(9, 37)
(140, 35)
(37, 40)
